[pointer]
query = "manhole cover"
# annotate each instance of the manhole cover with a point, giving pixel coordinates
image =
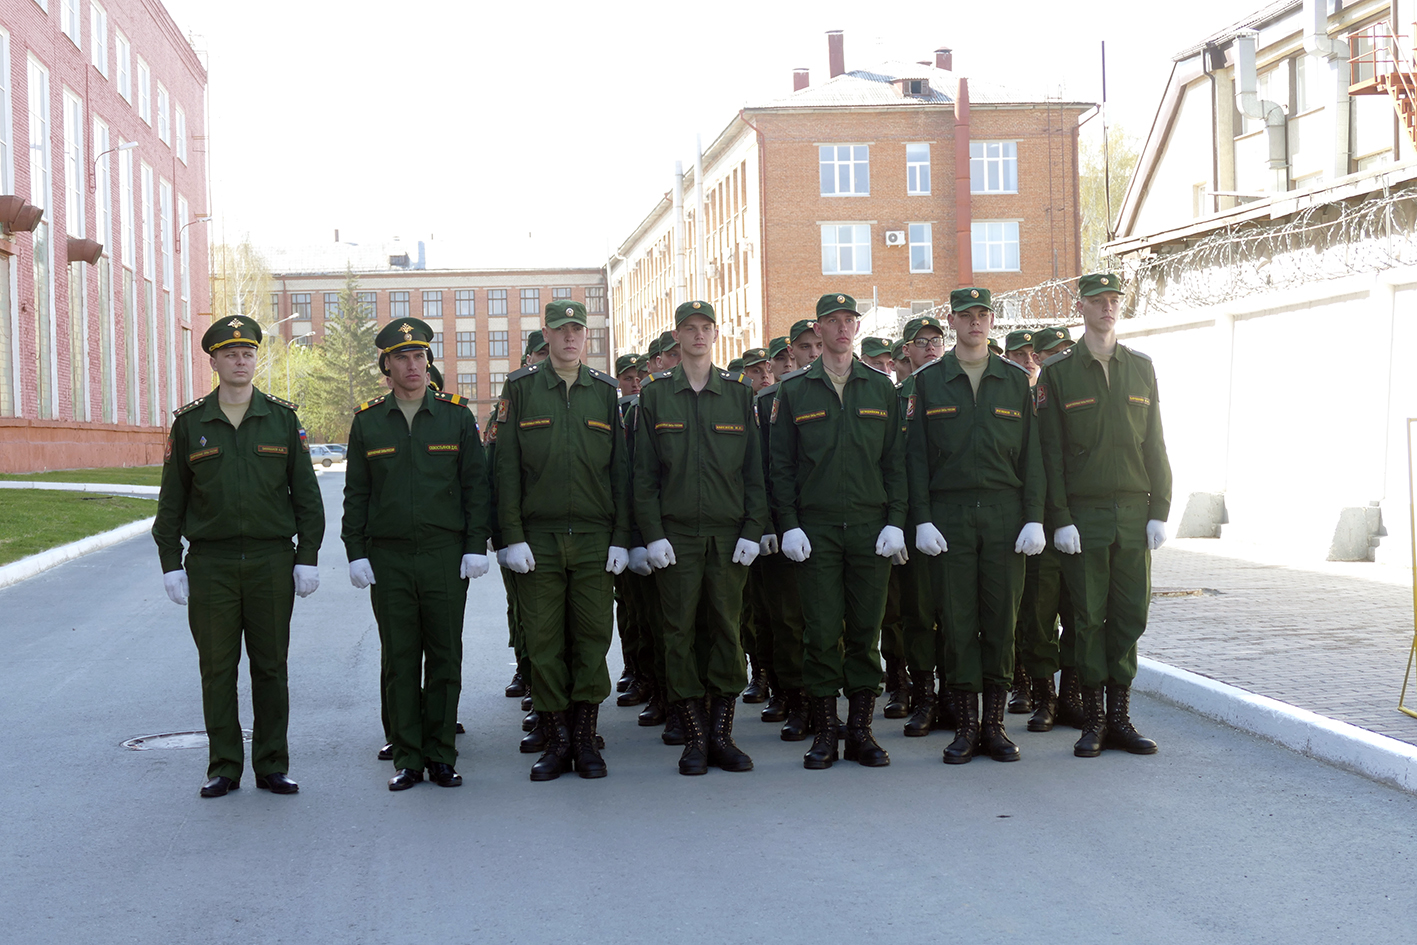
(174, 740)
(1184, 592)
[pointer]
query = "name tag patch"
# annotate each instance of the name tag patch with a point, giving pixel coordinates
(600, 425)
(1139, 400)
(381, 451)
(875, 412)
(941, 411)
(200, 455)
(807, 417)
(268, 449)
(1008, 412)
(1085, 402)
(534, 423)
(728, 428)
(442, 447)
(671, 426)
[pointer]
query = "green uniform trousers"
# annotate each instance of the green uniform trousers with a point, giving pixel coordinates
(1110, 587)
(233, 598)
(567, 614)
(419, 601)
(922, 633)
(757, 620)
(892, 633)
(1044, 606)
(979, 581)
(842, 586)
(784, 610)
(701, 598)
(644, 597)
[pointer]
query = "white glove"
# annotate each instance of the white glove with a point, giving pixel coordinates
(501, 557)
(176, 584)
(639, 562)
(473, 566)
(519, 558)
(901, 557)
(768, 545)
(745, 551)
(1030, 539)
(890, 542)
(1067, 540)
(929, 540)
(1155, 534)
(361, 575)
(796, 546)
(661, 553)
(307, 579)
(617, 559)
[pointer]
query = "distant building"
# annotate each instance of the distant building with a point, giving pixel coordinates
(104, 300)
(895, 183)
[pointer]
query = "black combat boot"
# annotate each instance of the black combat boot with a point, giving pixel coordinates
(757, 690)
(776, 708)
(530, 721)
(922, 704)
(1020, 699)
(796, 725)
(1045, 705)
(557, 757)
(966, 712)
(517, 687)
(673, 733)
(654, 711)
(1120, 731)
(1094, 732)
(897, 689)
(722, 752)
(636, 692)
(585, 757)
(861, 746)
(1070, 707)
(993, 740)
(821, 712)
(694, 759)
(526, 699)
(535, 740)
(627, 675)
(944, 709)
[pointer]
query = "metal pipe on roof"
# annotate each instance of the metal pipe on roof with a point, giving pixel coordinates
(1247, 99)
(1332, 55)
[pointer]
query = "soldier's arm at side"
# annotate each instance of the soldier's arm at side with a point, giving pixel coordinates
(893, 472)
(509, 470)
(476, 502)
(782, 467)
(356, 496)
(1158, 464)
(172, 503)
(1050, 439)
(648, 511)
(917, 460)
(619, 477)
(1035, 483)
(305, 498)
(755, 498)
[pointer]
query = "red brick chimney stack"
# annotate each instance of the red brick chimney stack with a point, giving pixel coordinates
(836, 54)
(799, 80)
(944, 59)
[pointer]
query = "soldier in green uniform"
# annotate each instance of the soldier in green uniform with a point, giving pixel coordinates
(1018, 348)
(755, 623)
(839, 490)
(628, 622)
(237, 483)
(876, 353)
(668, 354)
(1109, 495)
(563, 506)
(701, 506)
(900, 361)
(415, 529)
(976, 492)
(780, 354)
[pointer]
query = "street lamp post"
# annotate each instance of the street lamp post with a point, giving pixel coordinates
(308, 334)
(93, 169)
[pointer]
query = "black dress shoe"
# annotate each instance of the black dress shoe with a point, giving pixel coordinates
(405, 779)
(277, 783)
(461, 730)
(442, 775)
(516, 688)
(387, 752)
(218, 786)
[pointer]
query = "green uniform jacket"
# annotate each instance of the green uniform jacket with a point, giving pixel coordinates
(629, 411)
(561, 456)
(960, 446)
(428, 483)
(762, 415)
(837, 461)
(1101, 441)
(489, 454)
(698, 465)
(225, 488)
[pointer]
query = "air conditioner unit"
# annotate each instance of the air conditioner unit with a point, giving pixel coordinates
(895, 237)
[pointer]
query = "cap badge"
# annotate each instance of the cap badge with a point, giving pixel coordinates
(841, 298)
(234, 323)
(1027, 336)
(405, 328)
(974, 293)
(1103, 280)
(408, 336)
(698, 305)
(236, 334)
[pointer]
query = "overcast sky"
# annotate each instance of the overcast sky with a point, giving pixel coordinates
(537, 134)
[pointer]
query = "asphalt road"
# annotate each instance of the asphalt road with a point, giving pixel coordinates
(1219, 838)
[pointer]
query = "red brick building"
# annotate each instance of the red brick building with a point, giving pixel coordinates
(104, 300)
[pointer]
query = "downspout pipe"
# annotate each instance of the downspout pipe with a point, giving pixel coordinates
(1247, 99)
(681, 289)
(701, 289)
(1334, 53)
(964, 242)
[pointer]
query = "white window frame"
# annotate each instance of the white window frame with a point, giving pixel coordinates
(855, 161)
(123, 54)
(859, 248)
(69, 21)
(997, 157)
(180, 133)
(7, 126)
(127, 234)
(98, 38)
(913, 169)
(75, 182)
(926, 232)
(145, 88)
(164, 111)
(164, 205)
(41, 195)
(184, 265)
(985, 235)
(149, 237)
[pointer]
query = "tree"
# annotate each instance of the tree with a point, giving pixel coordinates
(344, 372)
(241, 285)
(1122, 154)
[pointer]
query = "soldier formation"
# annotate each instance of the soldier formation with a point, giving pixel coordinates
(771, 531)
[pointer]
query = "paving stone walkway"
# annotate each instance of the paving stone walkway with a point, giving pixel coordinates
(1330, 637)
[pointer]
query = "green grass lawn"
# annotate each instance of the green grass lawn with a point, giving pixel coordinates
(126, 475)
(34, 520)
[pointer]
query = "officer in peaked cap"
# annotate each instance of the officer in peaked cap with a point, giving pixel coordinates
(237, 483)
(415, 530)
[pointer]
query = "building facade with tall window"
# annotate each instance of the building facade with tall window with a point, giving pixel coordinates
(103, 300)
(895, 183)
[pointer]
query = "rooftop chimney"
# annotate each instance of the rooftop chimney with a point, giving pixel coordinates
(799, 80)
(944, 59)
(836, 55)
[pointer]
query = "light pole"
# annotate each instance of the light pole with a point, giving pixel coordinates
(93, 168)
(287, 361)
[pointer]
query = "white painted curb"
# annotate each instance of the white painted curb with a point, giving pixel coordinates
(106, 487)
(1376, 756)
(18, 571)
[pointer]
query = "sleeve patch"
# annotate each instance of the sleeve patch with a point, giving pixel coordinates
(443, 447)
(1040, 396)
(941, 411)
(910, 407)
(167, 451)
(502, 406)
(304, 440)
(773, 418)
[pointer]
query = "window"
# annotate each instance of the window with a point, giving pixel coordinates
(164, 111)
(995, 245)
(69, 19)
(432, 305)
(846, 248)
(98, 38)
(165, 208)
(526, 337)
(125, 65)
(331, 305)
(275, 307)
(145, 106)
(845, 169)
(185, 255)
(993, 167)
(467, 386)
(435, 347)
(7, 154)
(369, 303)
(181, 134)
(300, 306)
(922, 258)
(531, 301)
(398, 305)
(467, 344)
(595, 300)
(497, 381)
(917, 168)
(598, 338)
(75, 182)
(560, 294)
(496, 301)
(497, 345)
(40, 158)
(463, 305)
(920, 308)
(128, 237)
(149, 236)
